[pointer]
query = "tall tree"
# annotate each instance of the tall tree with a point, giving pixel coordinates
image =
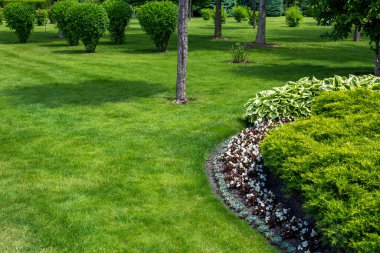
(260, 37)
(346, 14)
(183, 7)
(218, 19)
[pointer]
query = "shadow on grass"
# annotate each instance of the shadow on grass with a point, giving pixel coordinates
(286, 72)
(91, 93)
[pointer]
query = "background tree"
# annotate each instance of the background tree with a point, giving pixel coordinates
(218, 19)
(261, 28)
(274, 8)
(346, 14)
(182, 52)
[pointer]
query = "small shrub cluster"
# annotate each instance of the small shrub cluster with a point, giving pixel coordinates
(275, 8)
(20, 17)
(89, 22)
(294, 99)
(60, 14)
(41, 17)
(240, 13)
(250, 17)
(239, 53)
(332, 160)
(159, 21)
(293, 16)
(206, 14)
(224, 15)
(243, 184)
(119, 15)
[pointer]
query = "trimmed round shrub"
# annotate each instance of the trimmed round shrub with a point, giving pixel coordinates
(275, 8)
(206, 14)
(41, 17)
(119, 15)
(293, 16)
(59, 13)
(89, 22)
(224, 15)
(20, 17)
(240, 13)
(159, 21)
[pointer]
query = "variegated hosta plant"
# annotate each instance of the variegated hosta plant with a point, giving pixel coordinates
(294, 99)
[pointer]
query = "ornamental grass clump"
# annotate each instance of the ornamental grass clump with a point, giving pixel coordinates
(240, 13)
(119, 14)
(294, 99)
(293, 16)
(159, 21)
(239, 53)
(59, 14)
(20, 17)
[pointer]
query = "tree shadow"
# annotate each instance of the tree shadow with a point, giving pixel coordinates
(284, 73)
(10, 37)
(88, 93)
(69, 51)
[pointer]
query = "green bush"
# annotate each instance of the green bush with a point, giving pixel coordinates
(20, 17)
(275, 8)
(240, 13)
(59, 13)
(41, 17)
(1, 16)
(224, 15)
(51, 19)
(206, 14)
(119, 14)
(333, 160)
(293, 16)
(89, 22)
(294, 99)
(159, 21)
(250, 17)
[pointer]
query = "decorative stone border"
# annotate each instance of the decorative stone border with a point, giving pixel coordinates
(265, 213)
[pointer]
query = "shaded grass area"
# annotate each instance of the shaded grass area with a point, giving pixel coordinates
(94, 156)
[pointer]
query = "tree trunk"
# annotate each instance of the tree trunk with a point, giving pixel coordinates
(260, 37)
(377, 58)
(182, 52)
(357, 33)
(254, 14)
(286, 3)
(218, 19)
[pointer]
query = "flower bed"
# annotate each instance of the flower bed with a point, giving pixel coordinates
(242, 182)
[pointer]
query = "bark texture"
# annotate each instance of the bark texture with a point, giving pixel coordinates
(218, 19)
(377, 58)
(357, 33)
(254, 14)
(260, 37)
(182, 52)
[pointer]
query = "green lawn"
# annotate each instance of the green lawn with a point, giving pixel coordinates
(94, 156)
